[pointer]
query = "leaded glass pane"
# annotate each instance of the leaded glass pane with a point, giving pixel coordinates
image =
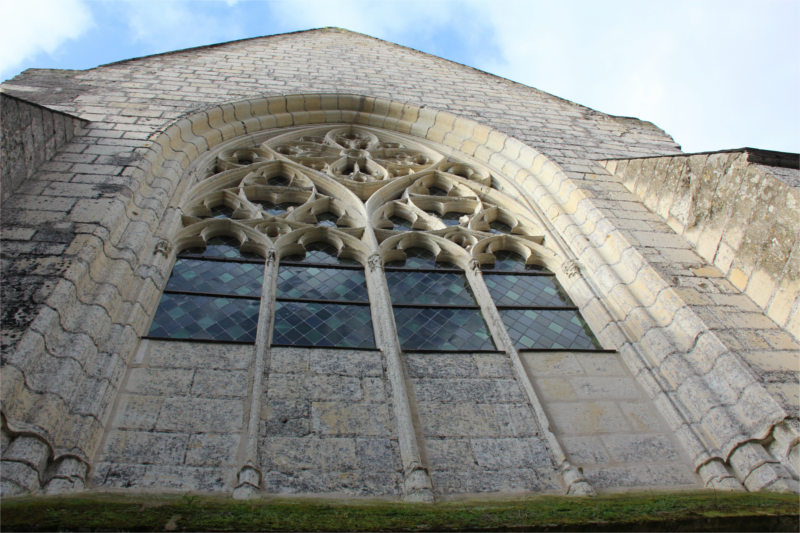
(316, 283)
(219, 277)
(539, 329)
(193, 317)
(435, 190)
(323, 324)
(522, 290)
(429, 288)
(445, 329)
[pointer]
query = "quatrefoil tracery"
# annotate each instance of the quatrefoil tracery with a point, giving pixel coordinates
(341, 177)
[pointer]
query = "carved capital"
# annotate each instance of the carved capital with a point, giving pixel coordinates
(163, 247)
(374, 262)
(571, 268)
(271, 256)
(475, 265)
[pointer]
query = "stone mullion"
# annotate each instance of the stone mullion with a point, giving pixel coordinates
(417, 484)
(249, 476)
(573, 478)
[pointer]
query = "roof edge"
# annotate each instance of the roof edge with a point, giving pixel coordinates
(757, 156)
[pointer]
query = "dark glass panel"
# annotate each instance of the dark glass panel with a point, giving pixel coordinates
(451, 218)
(315, 283)
(278, 181)
(441, 329)
(191, 317)
(317, 324)
(520, 290)
(218, 277)
(435, 190)
(429, 288)
(400, 224)
(221, 211)
(276, 209)
(499, 227)
(327, 219)
(532, 329)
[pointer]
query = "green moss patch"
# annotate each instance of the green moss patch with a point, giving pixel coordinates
(687, 511)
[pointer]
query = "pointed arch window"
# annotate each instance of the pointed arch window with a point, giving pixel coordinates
(536, 311)
(322, 301)
(434, 308)
(213, 294)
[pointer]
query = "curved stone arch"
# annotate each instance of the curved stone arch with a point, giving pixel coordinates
(199, 233)
(443, 250)
(532, 253)
(641, 315)
(346, 245)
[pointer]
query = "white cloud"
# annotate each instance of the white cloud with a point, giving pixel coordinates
(376, 18)
(30, 27)
(714, 74)
(176, 24)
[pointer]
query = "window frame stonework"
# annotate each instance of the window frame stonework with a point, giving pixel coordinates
(309, 170)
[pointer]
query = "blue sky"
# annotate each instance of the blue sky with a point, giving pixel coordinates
(714, 74)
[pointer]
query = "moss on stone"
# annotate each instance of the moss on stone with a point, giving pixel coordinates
(694, 511)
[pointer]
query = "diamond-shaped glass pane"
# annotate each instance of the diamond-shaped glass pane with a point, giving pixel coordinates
(218, 277)
(192, 317)
(429, 288)
(512, 289)
(446, 329)
(316, 324)
(316, 283)
(512, 262)
(532, 329)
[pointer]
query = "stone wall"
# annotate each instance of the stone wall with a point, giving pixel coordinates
(480, 433)
(326, 424)
(606, 423)
(31, 134)
(179, 418)
(737, 215)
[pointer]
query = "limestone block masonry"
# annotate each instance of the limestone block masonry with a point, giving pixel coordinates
(692, 380)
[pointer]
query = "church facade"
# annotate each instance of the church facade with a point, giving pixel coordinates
(321, 263)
